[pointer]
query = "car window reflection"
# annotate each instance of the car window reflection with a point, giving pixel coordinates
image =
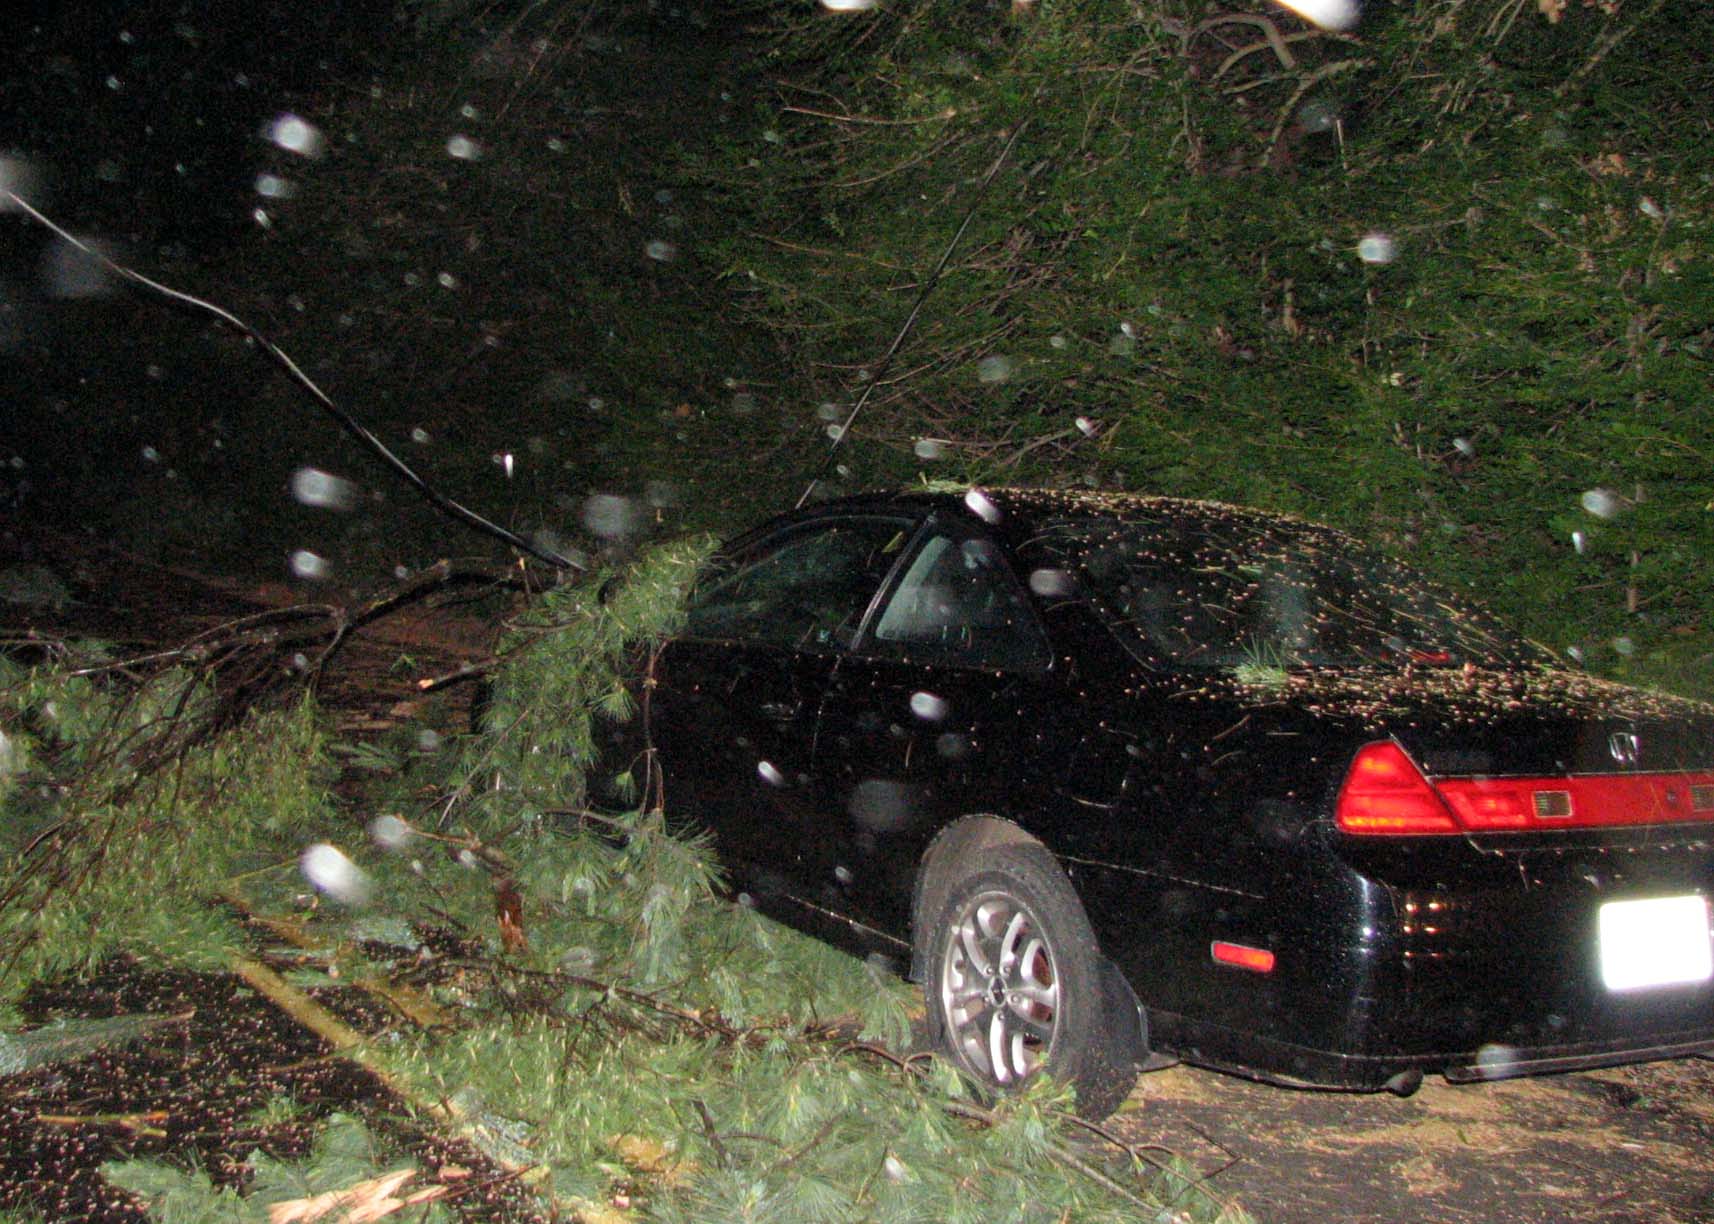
(958, 603)
(809, 590)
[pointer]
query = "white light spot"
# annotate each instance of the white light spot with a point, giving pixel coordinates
(1495, 1061)
(928, 707)
(929, 448)
(847, 6)
(894, 1168)
(660, 250)
(1057, 342)
(446, 280)
(1575, 653)
(1651, 210)
(835, 432)
(1376, 248)
(1050, 583)
(420, 436)
(467, 111)
(19, 178)
(981, 506)
(273, 187)
(151, 455)
(769, 774)
(610, 516)
(389, 832)
(463, 148)
(260, 217)
(1085, 426)
(828, 411)
(314, 487)
(842, 873)
(994, 369)
(1601, 503)
(332, 873)
(305, 564)
(1578, 542)
(1625, 646)
(296, 135)
(505, 462)
(1463, 447)
(1328, 14)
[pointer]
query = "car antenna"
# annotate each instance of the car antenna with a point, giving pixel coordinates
(910, 320)
(346, 421)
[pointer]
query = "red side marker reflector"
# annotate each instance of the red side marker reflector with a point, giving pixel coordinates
(1257, 960)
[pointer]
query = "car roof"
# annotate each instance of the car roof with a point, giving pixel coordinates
(1034, 506)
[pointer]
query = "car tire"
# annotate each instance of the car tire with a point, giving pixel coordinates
(1015, 982)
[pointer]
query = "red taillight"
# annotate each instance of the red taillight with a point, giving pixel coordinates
(1385, 793)
(1242, 956)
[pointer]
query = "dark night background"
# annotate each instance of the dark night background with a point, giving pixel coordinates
(605, 271)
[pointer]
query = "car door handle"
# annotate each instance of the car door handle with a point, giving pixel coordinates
(780, 711)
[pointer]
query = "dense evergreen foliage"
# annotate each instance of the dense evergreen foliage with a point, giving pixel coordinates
(1442, 279)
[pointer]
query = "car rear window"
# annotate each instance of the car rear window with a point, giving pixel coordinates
(1225, 592)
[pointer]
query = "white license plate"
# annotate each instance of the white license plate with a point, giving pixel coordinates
(1663, 941)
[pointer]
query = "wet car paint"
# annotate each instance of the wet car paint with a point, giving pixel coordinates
(1191, 809)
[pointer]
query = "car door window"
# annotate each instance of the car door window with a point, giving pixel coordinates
(958, 603)
(807, 590)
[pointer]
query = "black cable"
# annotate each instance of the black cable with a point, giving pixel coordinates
(345, 420)
(916, 308)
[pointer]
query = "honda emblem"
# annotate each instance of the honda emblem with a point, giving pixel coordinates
(1624, 746)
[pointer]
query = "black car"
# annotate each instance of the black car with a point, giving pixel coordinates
(1132, 778)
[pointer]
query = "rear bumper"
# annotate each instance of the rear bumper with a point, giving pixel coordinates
(1278, 1062)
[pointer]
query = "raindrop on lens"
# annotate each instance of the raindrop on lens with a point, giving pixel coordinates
(1625, 646)
(929, 448)
(1463, 447)
(610, 516)
(769, 774)
(994, 369)
(389, 832)
(305, 564)
(981, 506)
(1375, 249)
(828, 411)
(1578, 542)
(1050, 583)
(151, 455)
(297, 135)
(842, 873)
(1085, 426)
(928, 707)
(1058, 342)
(1600, 503)
(314, 487)
(835, 432)
(660, 250)
(332, 873)
(463, 148)
(1495, 1061)
(273, 187)
(419, 435)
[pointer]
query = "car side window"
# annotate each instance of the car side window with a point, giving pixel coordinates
(808, 589)
(959, 603)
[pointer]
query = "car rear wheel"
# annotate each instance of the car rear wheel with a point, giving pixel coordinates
(1015, 982)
